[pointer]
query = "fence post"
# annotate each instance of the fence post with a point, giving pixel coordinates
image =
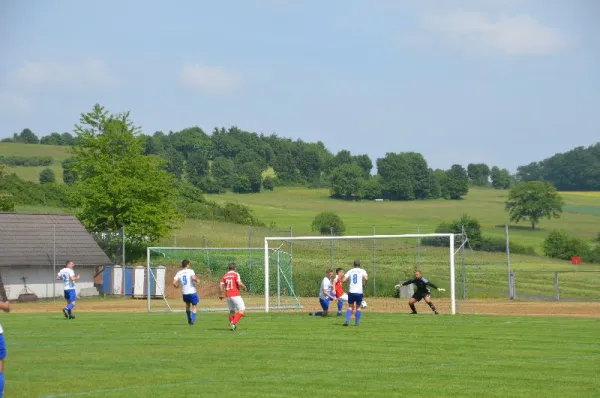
(511, 285)
(418, 248)
(331, 249)
(123, 232)
(556, 290)
(374, 260)
(54, 262)
(463, 268)
(511, 293)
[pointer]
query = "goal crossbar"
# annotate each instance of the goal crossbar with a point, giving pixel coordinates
(362, 237)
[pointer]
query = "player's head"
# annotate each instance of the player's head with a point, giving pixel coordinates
(339, 271)
(70, 264)
(418, 274)
(232, 266)
(329, 272)
(356, 263)
(185, 263)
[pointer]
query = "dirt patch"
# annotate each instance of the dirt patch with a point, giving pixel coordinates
(390, 305)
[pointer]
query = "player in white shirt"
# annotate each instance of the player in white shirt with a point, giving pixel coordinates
(326, 294)
(357, 276)
(67, 276)
(186, 278)
(4, 306)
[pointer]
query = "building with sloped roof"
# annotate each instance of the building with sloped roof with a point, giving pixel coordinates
(34, 247)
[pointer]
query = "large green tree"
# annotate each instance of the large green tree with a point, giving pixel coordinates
(533, 201)
(347, 181)
(479, 174)
(501, 178)
(457, 182)
(117, 184)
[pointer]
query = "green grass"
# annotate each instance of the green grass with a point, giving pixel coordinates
(58, 154)
(297, 207)
(289, 355)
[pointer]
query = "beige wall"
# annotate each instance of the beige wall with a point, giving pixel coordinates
(41, 280)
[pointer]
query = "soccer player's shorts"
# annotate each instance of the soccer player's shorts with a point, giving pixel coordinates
(236, 303)
(420, 295)
(325, 303)
(70, 295)
(355, 298)
(191, 298)
(343, 297)
(2, 347)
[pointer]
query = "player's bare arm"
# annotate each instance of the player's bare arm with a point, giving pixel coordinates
(195, 279)
(176, 283)
(58, 277)
(221, 291)
(76, 278)
(243, 286)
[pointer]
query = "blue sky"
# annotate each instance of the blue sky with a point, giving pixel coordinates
(504, 82)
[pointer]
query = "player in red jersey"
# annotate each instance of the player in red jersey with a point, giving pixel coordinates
(339, 290)
(230, 287)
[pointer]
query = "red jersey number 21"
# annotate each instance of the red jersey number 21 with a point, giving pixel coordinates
(229, 283)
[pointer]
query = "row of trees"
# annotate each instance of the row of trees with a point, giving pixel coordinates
(27, 161)
(26, 136)
(575, 170)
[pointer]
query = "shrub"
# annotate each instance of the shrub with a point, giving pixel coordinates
(7, 202)
(327, 222)
(47, 176)
(558, 244)
(269, 183)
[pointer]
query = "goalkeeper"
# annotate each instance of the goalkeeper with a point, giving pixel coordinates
(422, 292)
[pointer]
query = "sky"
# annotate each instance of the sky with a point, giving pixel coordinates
(504, 82)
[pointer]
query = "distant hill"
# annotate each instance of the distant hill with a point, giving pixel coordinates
(32, 173)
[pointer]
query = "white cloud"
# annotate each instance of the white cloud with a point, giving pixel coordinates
(14, 102)
(514, 35)
(88, 73)
(208, 79)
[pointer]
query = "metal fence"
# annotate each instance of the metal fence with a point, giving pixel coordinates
(577, 285)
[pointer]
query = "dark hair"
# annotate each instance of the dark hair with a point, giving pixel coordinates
(185, 263)
(232, 266)
(357, 263)
(337, 270)
(68, 262)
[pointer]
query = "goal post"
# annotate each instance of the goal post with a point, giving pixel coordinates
(210, 264)
(314, 255)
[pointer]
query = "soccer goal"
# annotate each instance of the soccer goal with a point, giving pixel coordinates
(388, 259)
(210, 264)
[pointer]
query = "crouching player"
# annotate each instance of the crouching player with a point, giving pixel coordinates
(326, 294)
(230, 287)
(422, 292)
(339, 290)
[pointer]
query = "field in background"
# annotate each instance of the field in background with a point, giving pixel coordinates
(297, 207)
(142, 355)
(58, 154)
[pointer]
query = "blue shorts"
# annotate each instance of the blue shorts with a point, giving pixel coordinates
(355, 298)
(325, 303)
(70, 295)
(2, 347)
(191, 298)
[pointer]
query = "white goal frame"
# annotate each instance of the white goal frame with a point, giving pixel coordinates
(363, 237)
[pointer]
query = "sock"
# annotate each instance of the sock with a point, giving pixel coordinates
(1, 384)
(358, 313)
(189, 315)
(348, 315)
(193, 317)
(412, 307)
(432, 306)
(69, 307)
(320, 313)
(231, 318)
(237, 318)
(340, 305)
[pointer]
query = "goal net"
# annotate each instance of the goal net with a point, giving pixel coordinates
(387, 259)
(210, 264)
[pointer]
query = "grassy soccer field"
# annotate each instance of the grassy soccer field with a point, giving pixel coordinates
(271, 355)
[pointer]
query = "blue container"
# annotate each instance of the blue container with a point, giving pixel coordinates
(128, 281)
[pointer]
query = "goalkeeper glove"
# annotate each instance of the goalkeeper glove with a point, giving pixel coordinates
(441, 290)
(398, 286)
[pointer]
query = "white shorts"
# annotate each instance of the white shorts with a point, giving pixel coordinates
(236, 303)
(344, 298)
